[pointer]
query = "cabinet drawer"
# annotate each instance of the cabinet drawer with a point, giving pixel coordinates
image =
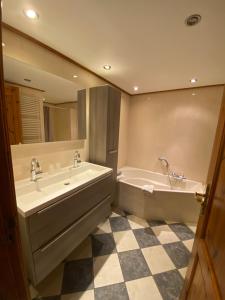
(47, 223)
(48, 257)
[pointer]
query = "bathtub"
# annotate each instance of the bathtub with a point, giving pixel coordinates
(167, 199)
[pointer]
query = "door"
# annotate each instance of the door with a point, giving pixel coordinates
(12, 278)
(13, 114)
(205, 275)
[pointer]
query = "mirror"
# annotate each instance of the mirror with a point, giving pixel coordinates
(41, 106)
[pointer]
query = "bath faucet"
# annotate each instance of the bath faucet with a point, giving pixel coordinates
(165, 161)
(35, 169)
(178, 176)
(76, 159)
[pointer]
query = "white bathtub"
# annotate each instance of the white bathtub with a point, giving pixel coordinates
(171, 200)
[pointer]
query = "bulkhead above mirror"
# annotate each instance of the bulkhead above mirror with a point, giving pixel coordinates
(41, 106)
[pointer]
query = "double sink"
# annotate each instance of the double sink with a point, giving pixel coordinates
(33, 196)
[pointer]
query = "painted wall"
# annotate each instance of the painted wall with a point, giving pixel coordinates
(176, 125)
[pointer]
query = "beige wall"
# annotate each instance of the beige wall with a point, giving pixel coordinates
(51, 156)
(176, 125)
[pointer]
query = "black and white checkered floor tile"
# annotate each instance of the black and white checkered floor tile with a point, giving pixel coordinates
(126, 258)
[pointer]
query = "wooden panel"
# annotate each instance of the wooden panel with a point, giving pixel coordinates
(98, 124)
(113, 119)
(198, 280)
(13, 114)
(81, 114)
(48, 257)
(47, 223)
(216, 224)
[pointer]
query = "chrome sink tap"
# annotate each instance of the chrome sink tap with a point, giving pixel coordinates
(35, 169)
(76, 159)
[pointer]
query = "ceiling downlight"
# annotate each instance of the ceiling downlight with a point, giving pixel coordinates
(193, 20)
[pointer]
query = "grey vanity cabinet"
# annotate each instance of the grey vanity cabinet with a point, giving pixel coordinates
(104, 116)
(51, 234)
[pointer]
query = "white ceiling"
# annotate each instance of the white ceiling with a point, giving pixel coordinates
(56, 89)
(145, 41)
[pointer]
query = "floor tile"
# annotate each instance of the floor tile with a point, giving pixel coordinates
(103, 227)
(119, 224)
(78, 276)
(114, 215)
(178, 254)
(107, 270)
(164, 234)
(112, 292)
(136, 222)
(145, 237)
(84, 250)
(183, 272)
(52, 284)
(125, 240)
(139, 289)
(153, 223)
(192, 226)
(103, 244)
(157, 259)
(169, 284)
(189, 244)
(133, 265)
(87, 295)
(182, 231)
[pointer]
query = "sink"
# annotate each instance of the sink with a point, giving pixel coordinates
(35, 195)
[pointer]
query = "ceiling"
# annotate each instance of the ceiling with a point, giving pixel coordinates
(146, 42)
(56, 89)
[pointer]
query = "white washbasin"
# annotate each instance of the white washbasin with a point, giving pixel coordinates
(32, 196)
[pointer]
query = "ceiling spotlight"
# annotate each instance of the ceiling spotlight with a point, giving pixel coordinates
(75, 76)
(3, 44)
(31, 14)
(107, 67)
(193, 80)
(193, 20)
(135, 88)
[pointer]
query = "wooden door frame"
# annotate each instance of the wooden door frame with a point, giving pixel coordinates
(13, 283)
(213, 173)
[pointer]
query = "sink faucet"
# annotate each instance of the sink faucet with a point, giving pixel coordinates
(35, 169)
(165, 161)
(76, 159)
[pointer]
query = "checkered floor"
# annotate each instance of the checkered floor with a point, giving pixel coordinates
(126, 258)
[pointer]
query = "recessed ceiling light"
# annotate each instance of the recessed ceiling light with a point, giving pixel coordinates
(193, 20)
(135, 88)
(31, 14)
(107, 67)
(193, 80)
(193, 94)
(75, 76)
(3, 44)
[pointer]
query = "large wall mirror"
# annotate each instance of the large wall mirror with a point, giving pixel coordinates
(41, 106)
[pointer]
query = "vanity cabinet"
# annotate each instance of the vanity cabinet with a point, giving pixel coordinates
(104, 126)
(51, 234)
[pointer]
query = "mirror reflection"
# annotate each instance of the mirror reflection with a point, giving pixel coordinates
(42, 107)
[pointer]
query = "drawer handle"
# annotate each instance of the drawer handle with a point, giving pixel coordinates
(69, 196)
(113, 151)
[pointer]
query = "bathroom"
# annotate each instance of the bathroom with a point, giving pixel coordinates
(112, 150)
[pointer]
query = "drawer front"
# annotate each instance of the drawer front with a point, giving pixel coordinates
(48, 257)
(49, 222)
